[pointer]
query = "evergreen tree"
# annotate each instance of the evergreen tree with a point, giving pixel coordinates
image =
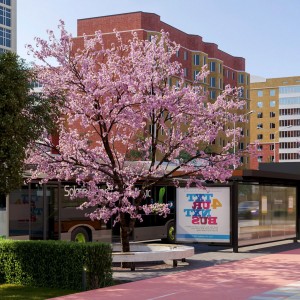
(24, 116)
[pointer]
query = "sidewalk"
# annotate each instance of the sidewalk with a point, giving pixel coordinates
(270, 271)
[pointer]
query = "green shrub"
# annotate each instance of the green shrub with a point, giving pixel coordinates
(56, 264)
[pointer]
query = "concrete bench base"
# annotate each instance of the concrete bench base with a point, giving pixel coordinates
(151, 252)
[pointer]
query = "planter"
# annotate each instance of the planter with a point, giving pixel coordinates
(151, 252)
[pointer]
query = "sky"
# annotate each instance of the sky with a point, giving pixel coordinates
(265, 32)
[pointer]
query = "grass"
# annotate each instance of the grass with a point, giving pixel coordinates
(18, 292)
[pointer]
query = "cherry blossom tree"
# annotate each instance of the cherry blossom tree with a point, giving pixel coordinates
(120, 123)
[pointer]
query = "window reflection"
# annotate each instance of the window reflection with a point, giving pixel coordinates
(266, 213)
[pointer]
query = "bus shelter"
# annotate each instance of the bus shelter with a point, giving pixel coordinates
(253, 207)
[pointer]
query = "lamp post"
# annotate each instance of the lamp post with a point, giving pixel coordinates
(234, 150)
(274, 144)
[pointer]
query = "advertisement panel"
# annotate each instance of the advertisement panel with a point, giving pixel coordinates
(203, 215)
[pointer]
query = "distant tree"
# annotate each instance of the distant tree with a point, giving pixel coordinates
(23, 118)
(122, 124)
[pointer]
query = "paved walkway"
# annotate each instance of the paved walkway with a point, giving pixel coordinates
(254, 273)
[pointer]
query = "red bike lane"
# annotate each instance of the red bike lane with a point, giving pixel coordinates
(271, 276)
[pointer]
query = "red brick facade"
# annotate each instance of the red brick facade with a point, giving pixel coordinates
(143, 23)
(227, 68)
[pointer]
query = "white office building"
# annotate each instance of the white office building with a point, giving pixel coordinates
(8, 25)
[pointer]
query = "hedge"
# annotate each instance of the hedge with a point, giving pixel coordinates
(56, 264)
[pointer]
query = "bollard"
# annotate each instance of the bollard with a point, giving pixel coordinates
(84, 279)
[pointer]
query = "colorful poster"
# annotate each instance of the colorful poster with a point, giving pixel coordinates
(203, 215)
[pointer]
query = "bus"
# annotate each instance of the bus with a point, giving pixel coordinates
(46, 211)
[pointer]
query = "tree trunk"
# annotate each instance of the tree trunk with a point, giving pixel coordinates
(125, 231)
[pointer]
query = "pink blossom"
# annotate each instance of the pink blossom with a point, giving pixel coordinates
(114, 102)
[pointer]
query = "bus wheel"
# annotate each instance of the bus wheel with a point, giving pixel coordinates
(80, 235)
(171, 233)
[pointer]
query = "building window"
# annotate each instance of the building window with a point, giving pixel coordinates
(272, 147)
(259, 104)
(196, 59)
(272, 103)
(204, 60)
(241, 78)
(272, 136)
(260, 115)
(6, 2)
(35, 84)
(289, 89)
(272, 93)
(5, 37)
(220, 68)
(272, 125)
(259, 158)
(259, 125)
(212, 94)
(272, 114)
(185, 55)
(259, 136)
(241, 93)
(259, 147)
(185, 70)
(241, 146)
(5, 16)
(233, 75)
(151, 37)
(212, 81)
(220, 83)
(196, 72)
(212, 66)
(177, 53)
(260, 93)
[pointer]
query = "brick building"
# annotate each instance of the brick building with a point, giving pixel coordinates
(276, 121)
(193, 54)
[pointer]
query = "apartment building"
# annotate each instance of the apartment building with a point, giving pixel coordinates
(275, 123)
(8, 25)
(193, 54)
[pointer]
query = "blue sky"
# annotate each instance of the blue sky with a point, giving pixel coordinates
(264, 32)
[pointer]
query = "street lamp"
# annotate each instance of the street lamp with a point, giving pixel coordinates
(248, 113)
(274, 144)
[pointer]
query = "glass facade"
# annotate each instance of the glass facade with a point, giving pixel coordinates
(5, 37)
(265, 213)
(289, 101)
(5, 16)
(289, 89)
(7, 25)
